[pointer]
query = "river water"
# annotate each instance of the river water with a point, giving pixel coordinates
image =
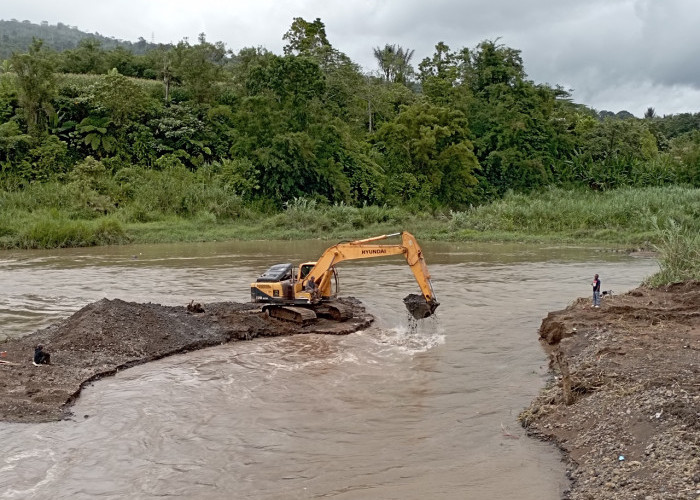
(392, 412)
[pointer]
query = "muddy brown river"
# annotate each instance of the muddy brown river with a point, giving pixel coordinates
(391, 412)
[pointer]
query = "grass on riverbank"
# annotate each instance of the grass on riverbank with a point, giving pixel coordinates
(620, 216)
(171, 207)
(679, 255)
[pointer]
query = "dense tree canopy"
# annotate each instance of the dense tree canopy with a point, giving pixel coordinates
(466, 127)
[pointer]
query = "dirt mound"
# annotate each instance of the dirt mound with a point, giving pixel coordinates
(110, 335)
(624, 402)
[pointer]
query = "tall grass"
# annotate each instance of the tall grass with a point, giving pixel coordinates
(679, 255)
(150, 195)
(302, 216)
(93, 206)
(51, 230)
(609, 215)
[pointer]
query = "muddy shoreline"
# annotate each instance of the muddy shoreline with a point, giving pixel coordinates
(623, 404)
(111, 335)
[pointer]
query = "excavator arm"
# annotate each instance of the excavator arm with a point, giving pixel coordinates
(322, 272)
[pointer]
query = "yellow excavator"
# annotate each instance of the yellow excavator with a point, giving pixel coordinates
(303, 294)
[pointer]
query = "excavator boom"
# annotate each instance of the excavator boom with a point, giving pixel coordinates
(367, 249)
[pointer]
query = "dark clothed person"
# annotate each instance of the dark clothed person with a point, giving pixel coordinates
(41, 357)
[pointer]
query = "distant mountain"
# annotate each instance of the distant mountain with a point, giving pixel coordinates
(16, 36)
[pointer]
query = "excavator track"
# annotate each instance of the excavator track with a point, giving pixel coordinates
(299, 315)
(333, 309)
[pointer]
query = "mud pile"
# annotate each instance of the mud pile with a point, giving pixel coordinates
(111, 335)
(624, 403)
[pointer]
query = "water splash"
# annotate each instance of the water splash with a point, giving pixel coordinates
(417, 336)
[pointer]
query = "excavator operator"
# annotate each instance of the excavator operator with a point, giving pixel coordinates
(312, 288)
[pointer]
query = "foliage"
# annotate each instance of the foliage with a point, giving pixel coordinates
(444, 77)
(55, 232)
(628, 139)
(8, 94)
(86, 58)
(684, 151)
(584, 212)
(48, 158)
(35, 85)
(96, 134)
(428, 155)
(305, 37)
(195, 132)
(14, 145)
(394, 63)
(238, 176)
(199, 68)
(181, 133)
(679, 254)
(305, 215)
(677, 125)
(119, 97)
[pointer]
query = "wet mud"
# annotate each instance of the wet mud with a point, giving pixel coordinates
(418, 307)
(111, 335)
(624, 401)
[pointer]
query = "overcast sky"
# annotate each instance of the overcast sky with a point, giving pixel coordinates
(612, 54)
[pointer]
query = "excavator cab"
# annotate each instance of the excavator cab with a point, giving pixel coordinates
(305, 269)
(278, 272)
(275, 284)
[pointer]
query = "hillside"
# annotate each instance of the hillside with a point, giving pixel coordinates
(16, 36)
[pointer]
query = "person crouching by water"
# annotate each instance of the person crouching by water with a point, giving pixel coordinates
(41, 357)
(596, 291)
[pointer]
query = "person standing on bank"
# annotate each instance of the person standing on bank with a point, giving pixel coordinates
(596, 291)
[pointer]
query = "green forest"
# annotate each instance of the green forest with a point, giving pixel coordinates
(99, 138)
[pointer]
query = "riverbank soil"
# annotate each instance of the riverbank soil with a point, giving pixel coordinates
(624, 404)
(110, 335)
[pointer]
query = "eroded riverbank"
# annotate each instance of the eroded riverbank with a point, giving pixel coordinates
(625, 403)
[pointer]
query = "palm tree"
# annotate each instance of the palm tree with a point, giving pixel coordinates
(385, 58)
(394, 62)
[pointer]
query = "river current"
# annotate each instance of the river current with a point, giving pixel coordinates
(391, 412)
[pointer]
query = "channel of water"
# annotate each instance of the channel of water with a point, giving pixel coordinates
(388, 412)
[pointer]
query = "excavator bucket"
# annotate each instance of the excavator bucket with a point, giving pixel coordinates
(419, 307)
